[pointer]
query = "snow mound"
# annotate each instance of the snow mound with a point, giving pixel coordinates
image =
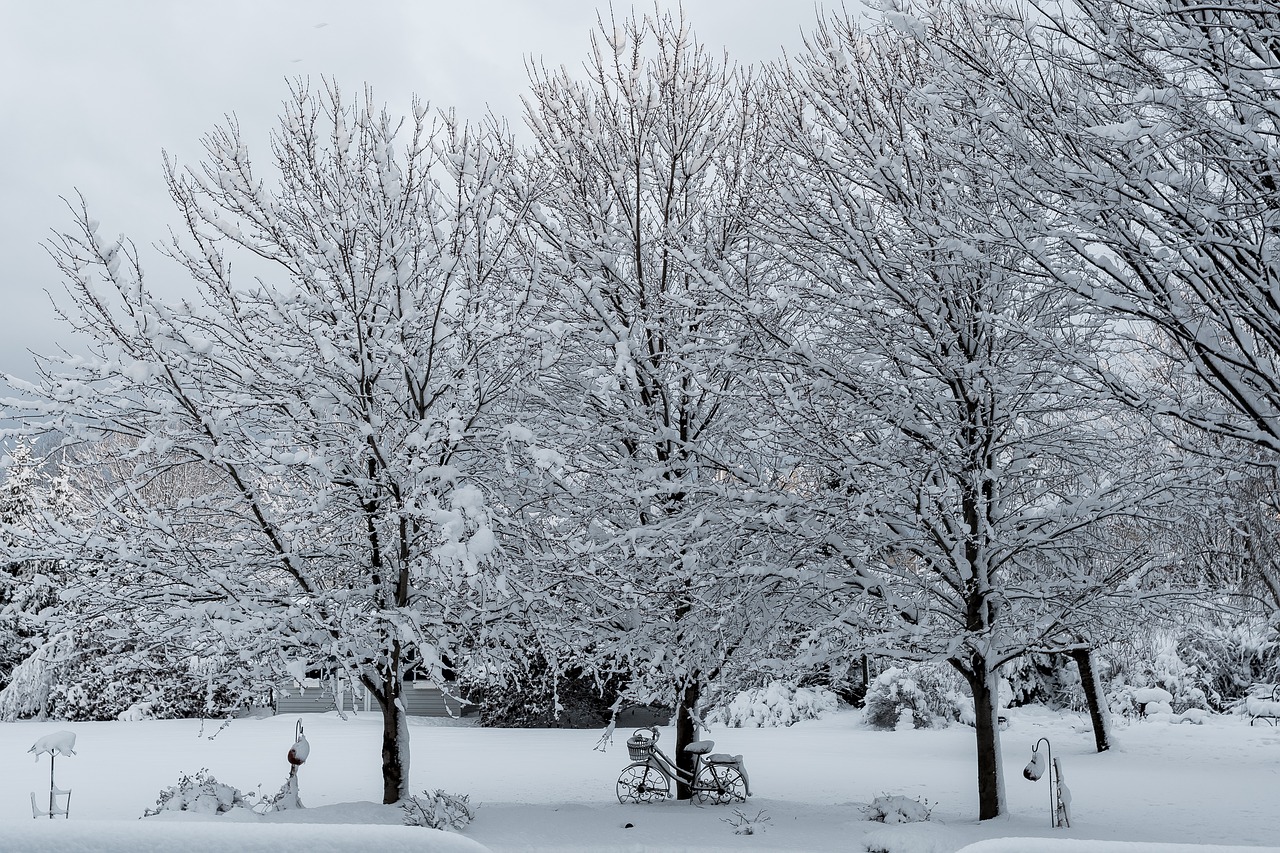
(1069, 845)
(133, 836)
(1148, 695)
(911, 838)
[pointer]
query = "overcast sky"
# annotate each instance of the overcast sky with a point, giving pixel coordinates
(92, 91)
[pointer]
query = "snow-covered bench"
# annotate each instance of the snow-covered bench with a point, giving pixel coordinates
(1264, 705)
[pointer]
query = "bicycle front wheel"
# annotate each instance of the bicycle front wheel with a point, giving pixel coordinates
(719, 784)
(640, 783)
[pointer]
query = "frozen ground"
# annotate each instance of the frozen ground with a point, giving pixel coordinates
(547, 790)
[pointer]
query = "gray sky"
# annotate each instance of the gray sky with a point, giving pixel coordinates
(92, 91)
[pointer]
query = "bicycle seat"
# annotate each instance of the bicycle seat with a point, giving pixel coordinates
(700, 747)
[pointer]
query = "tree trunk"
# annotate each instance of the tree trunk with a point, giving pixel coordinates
(395, 738)
(1093, 696)
(984, 681)
(685, 734)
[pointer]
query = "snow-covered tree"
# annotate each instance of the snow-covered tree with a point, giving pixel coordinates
(338, 394)
(1155, 123)
(641, 179)
(973, 496)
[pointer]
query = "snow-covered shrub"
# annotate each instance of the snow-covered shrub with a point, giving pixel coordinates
(921, 694)
(199, 793)
(778, 704)
(1151, 660)
(440, 810)
(1230, 658)
(899, 809)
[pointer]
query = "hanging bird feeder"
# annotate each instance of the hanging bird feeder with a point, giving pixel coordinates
(1059, 793)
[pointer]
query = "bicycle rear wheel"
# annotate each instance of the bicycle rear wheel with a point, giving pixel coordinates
(640, 783)
(719, 784)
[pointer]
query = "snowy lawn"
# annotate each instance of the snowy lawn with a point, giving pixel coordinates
(547, 790)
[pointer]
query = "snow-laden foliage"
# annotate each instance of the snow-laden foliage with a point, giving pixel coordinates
(776, 704)
(301, 465)
(1043, 679)
(200, 793)
(28, 587)
(921, 696)
(439, 810)
(1210, 664)
(1230, 659)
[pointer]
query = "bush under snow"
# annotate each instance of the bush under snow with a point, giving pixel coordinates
(440, 810)
(918, 697)
(200, 793)
(899, 809)
(776, 705)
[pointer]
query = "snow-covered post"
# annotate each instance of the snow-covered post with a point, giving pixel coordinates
(58, 743)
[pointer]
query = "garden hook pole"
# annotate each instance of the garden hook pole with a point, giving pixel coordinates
(1034, 770)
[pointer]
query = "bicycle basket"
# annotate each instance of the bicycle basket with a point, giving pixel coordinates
(640, 747)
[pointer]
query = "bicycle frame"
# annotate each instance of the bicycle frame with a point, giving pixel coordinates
(662, 762)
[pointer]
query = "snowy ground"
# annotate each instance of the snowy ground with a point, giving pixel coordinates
(547, 790)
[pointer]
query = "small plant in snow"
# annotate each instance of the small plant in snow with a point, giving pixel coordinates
(744, 824)
(776, 705)
(440, 810)
(200, 793)
(900, 809)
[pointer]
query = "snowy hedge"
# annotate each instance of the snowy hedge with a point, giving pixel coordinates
(778, 704)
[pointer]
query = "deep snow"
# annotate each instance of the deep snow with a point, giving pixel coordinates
(547, 790)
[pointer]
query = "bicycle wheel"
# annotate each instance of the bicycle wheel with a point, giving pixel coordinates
(640, 783)
(718, 784)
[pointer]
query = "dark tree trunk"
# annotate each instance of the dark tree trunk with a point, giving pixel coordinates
(984, 682)
(1093, 696)
(395, 738)
(685, 735)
